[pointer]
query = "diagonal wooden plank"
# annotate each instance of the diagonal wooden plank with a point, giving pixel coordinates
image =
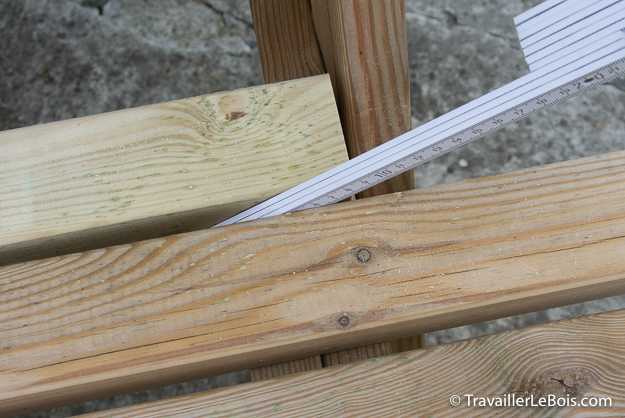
(174, 309)
(564, 361)
(157, 170)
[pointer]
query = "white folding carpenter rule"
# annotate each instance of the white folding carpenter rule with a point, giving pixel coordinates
(571, 46)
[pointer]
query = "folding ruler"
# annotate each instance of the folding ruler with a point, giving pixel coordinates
(570, 46)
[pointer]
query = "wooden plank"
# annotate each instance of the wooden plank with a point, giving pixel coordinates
(156, 170)
(287, 43)
(364, 48)
(273, 290)
(569, 359)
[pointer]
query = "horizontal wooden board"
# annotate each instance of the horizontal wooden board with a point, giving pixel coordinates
(273, 290)
(157, 170)
(562, 361)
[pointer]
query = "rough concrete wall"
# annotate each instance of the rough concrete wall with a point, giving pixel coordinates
(61, 59)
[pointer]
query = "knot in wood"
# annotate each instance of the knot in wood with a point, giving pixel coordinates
(561, 382)
(235, 115)
(363, 255)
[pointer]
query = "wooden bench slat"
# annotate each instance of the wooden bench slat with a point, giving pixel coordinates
(174, 309)
(157, 170)
(567, 359)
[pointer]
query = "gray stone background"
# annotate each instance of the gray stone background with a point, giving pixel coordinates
(62, 59)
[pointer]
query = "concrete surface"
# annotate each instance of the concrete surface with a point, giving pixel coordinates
(61, 59)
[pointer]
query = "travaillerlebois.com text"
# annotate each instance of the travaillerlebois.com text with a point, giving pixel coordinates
(511, 400)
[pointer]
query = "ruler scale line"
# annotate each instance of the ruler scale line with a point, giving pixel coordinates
(570, 31)
(579, 16)
(536, 11)
(606, 34)
(560, 12)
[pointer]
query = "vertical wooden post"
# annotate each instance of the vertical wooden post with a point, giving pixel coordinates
(286, 38)
(362, 44)
(364, 48)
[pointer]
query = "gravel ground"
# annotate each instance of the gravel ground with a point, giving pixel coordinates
(61, 59)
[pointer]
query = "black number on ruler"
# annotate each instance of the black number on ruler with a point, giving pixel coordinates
(497, 121)
(565, 91)
(437, 149)
(519, 112)
(383, 173)
(476, 131)
(597, 76)
(542, 102)
(417, 157)
(400, 166)
(456, 140)
(612, 70)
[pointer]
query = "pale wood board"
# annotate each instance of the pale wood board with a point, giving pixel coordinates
(365, 51)
(156, 170)
(121, 319)
(569, 359)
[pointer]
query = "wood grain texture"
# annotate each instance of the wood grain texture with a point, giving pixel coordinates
(354, 355)
(569, 359)
(284, 369)
(203, 303)
(157, 170)
(286, 38)
(364, 48)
